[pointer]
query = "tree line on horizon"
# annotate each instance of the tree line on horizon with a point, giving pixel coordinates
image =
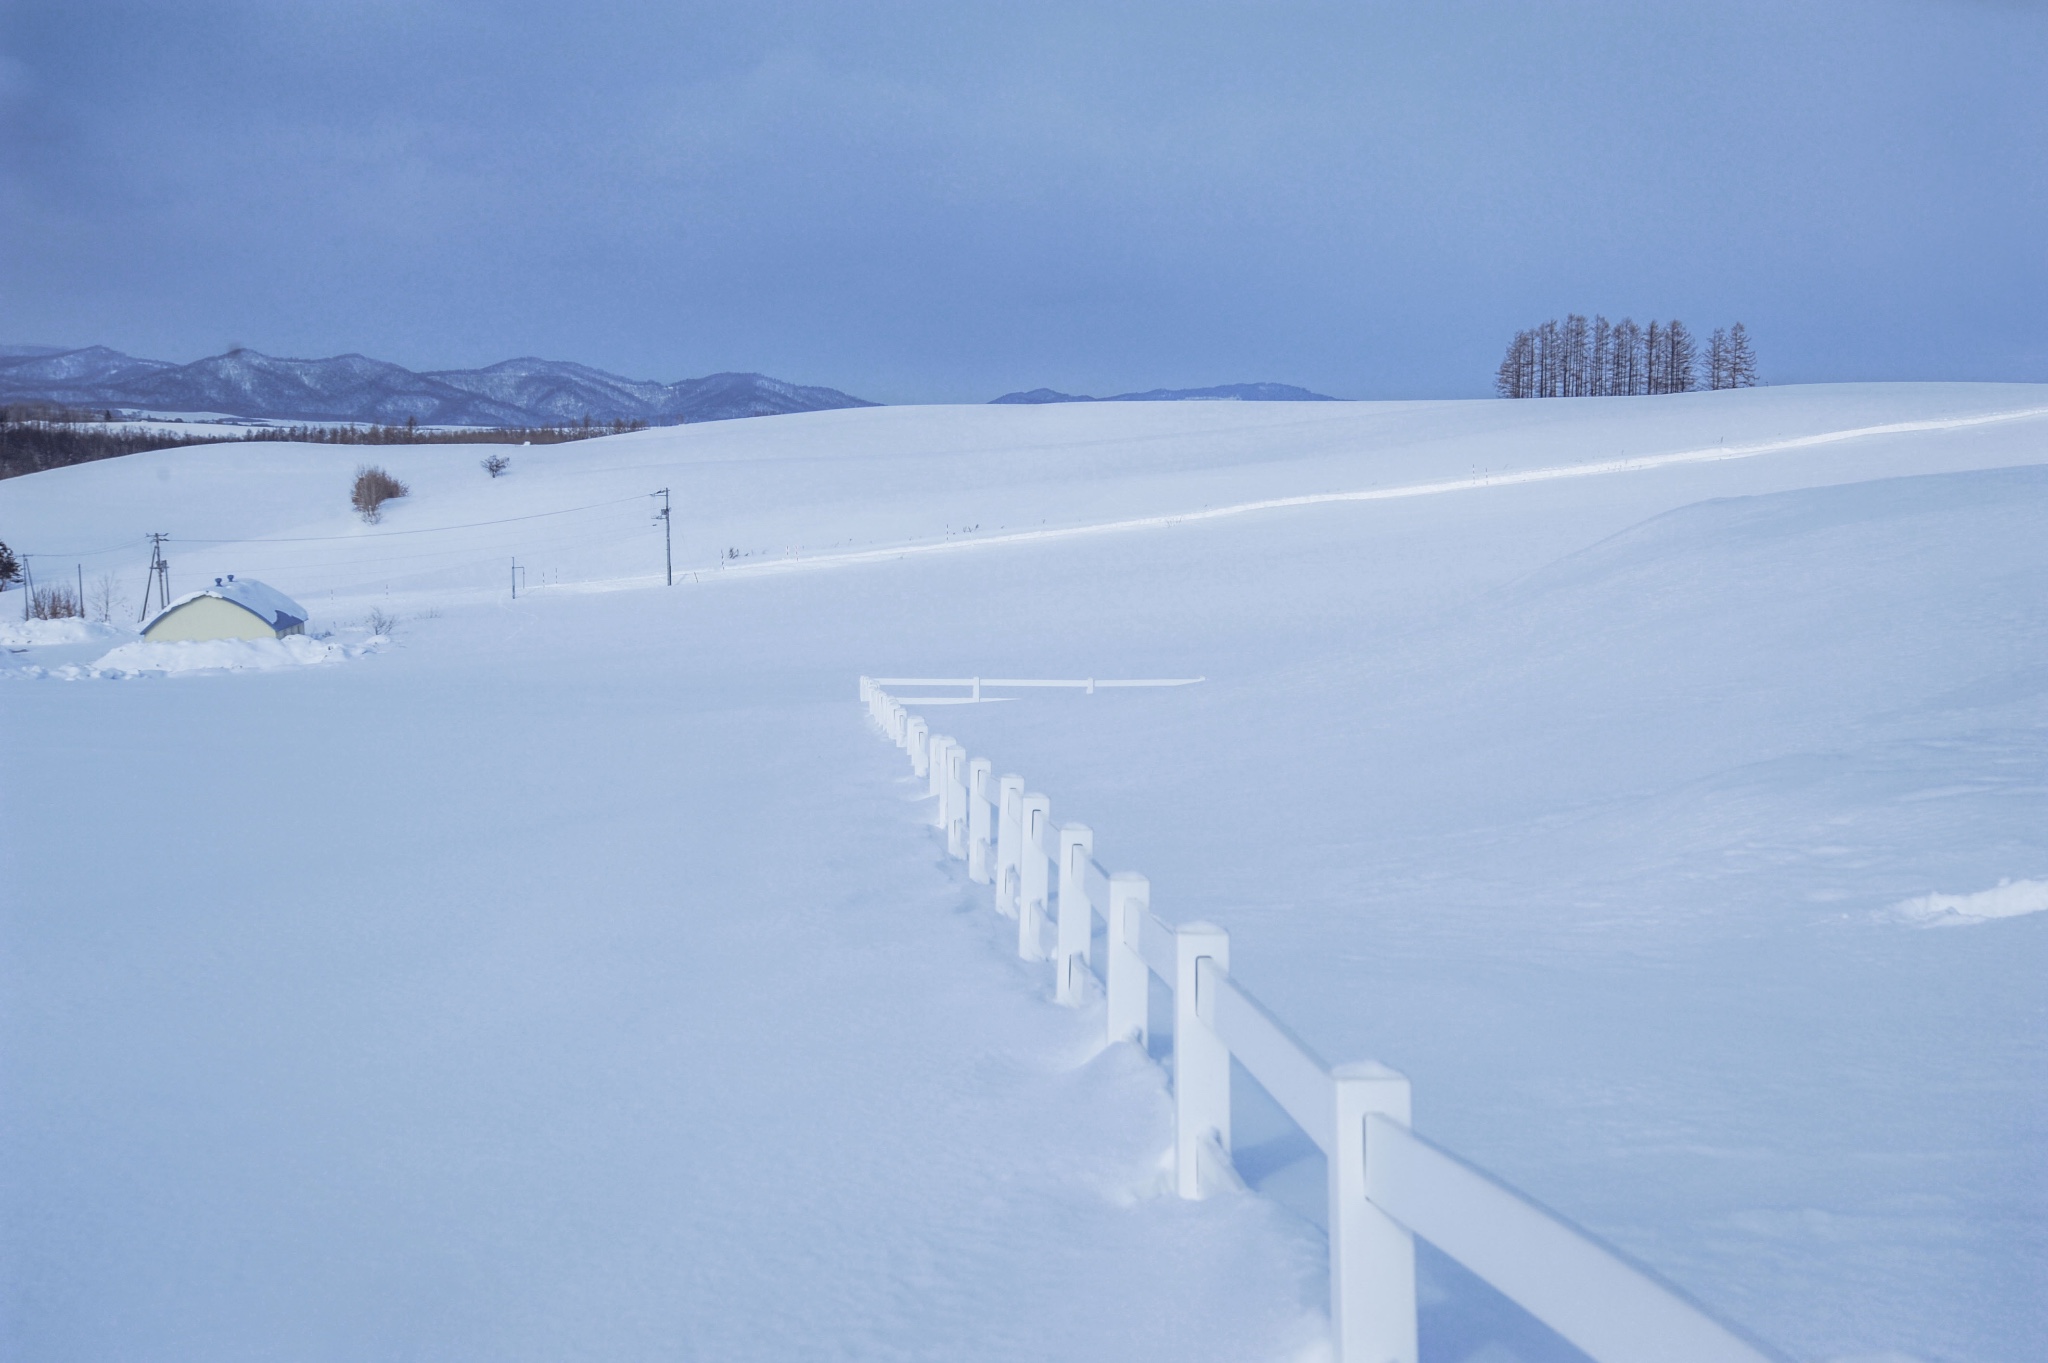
(1580, 359)
(35, 437)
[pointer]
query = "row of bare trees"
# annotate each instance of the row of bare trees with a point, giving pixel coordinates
(1580, 359)
(59, 600)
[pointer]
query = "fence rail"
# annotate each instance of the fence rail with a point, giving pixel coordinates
(974, 685)
(1386, 1184)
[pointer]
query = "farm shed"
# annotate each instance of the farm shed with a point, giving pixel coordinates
(228, 610)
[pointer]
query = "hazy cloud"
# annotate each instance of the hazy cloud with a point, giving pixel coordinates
(932, 201)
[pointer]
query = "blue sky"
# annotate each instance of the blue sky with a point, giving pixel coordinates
(943, 202)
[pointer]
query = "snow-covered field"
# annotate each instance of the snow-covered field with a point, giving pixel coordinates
(1662, 784)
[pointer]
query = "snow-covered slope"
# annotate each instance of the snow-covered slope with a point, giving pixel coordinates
(596, 990)
(1222, 392)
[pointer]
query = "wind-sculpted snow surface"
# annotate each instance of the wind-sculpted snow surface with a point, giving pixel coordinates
(558, 980)
(2006, 899)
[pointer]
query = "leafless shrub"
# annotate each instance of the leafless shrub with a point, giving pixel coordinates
(374, 487)
(381, 622)
(59, 602)
(496, 464)
(105, 598)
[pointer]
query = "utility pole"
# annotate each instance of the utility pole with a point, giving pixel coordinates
(159, 579)
(668, 553)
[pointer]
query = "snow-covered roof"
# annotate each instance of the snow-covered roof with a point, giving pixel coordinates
(265, 602)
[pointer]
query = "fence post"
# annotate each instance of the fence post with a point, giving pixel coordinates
(1033, 878)
(920, 747)
(948, 810)
(940, 746)
(1009, 842)
(866, 685)
(1201, 1062)
(956, 801)
(1077, 923)
(1372, 1258)
(980, 795)
(1129, 988)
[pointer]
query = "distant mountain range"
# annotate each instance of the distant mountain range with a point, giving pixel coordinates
(1223, 392)
(525, 392)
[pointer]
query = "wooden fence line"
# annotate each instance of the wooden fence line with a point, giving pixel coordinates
(1387, 1185)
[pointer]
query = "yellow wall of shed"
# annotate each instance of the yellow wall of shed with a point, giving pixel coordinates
(209, 617)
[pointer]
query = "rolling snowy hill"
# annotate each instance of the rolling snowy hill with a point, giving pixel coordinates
(1223, 392)
(576, 975)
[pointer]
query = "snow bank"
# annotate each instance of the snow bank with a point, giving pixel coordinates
(31, 633)
(142, 658)
(2006, 899)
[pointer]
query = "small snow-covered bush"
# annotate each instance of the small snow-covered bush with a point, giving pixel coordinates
(373, 488)
(496, 464)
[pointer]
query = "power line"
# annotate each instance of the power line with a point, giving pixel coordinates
(422, 530)
(322, 539)
(86, 553)
(459, 553)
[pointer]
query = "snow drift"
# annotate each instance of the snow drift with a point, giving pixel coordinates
(2006, 899)
(220, 655)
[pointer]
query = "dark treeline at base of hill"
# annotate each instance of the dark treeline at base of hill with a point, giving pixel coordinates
(1580, 359)
(34, 439)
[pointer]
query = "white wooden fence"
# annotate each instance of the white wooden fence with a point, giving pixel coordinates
(974, 685)
(1386, 1184)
